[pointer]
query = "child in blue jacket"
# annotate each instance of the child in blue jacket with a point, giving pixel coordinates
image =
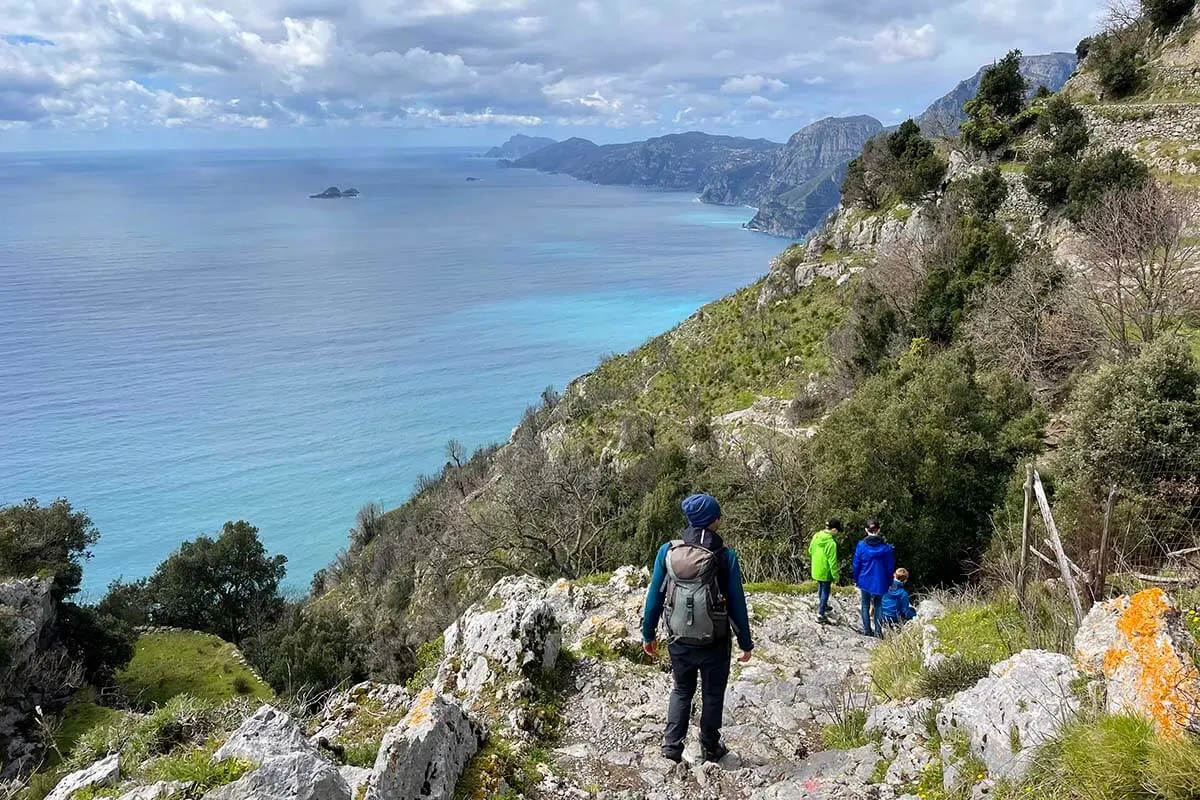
(896, 608)
(874, 563)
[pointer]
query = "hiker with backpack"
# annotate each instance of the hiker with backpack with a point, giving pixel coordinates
(697, 592)
(874, 564)
(823, 553)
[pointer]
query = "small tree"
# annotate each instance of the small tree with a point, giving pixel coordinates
(1062, 124)
(984, 193)
(223, 586)
(1002, 87)
(1142, 278)
(919, 170)
(1164, 15)
(1117, 59)
(311, 648)
(984, 129)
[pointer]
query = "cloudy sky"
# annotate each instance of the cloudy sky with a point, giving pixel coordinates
(163, 72)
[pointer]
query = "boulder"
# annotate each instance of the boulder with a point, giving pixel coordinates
(1023, 703)
(903, 728)
(295, 776)
(26, 610)
(105, 772)
(268, 732)
(356, 778)
(514, 632)
(1141, 648)
(425, 754)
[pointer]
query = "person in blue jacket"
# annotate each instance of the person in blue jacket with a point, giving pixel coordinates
(897, 610)
(874, 563)
(710, 663)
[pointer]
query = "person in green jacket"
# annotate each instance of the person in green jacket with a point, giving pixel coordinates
(823, 551)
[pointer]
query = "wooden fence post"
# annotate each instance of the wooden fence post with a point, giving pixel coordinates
(1064, 564)
(1026, 530)
(1100, 579)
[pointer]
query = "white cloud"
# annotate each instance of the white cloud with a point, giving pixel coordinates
(752, 84)
(80, 63)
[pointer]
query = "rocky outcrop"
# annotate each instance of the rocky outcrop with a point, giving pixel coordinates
(27, 616)
(343, 710)
(905, 738)
(512, 633)
(26, 613)
(103, 773)
(296, 776)
(425, 755)
(268, 733)
(945, 115)
(162, 790)
(519, 146)
(1142, 650)
(1023, 703)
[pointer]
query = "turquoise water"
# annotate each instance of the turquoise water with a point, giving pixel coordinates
(186, 338)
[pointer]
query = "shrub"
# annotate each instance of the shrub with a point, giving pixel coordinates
(1164, 15)
(951, 676)
(984, 193)
(196, 767)
(313, 647)
(1098, 175)
(1118, 64)
(1083, 48)
(899, 166)
(1063, 125)
(102, 644)
(984, 129)
(1048, 177)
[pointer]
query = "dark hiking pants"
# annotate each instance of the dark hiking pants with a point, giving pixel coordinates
(711, 666)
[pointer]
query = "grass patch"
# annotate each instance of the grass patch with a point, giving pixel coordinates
(166, 665)
(78, 718)
(1116, 757)
(848, 732)
(982, 632)
(184, 722)
(951, 676)
(195, 766)
(896, 664)
(598, 579)
(599, 648)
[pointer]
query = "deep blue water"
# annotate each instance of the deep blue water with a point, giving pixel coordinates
(186, 338)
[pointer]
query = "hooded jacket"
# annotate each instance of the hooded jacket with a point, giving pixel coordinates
(823, 553)
(874, 563)
(896, 607)
(731, 576)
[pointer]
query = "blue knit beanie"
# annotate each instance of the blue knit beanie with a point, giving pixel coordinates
(701, 510)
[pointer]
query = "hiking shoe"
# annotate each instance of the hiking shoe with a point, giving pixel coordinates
(822, 619)
(672, 755)
(716, 754)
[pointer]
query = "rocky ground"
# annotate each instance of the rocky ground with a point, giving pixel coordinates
(542, 693)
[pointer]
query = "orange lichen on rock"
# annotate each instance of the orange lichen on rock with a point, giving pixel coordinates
(1166, 684)
(420, 713)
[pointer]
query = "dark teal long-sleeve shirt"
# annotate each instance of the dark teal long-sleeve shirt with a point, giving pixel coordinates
(735, 593)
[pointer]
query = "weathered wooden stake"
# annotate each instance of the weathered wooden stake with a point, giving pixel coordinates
(1026, 524)
(1064, 564)
(1101, 578)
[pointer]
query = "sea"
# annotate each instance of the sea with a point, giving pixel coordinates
(187, 338)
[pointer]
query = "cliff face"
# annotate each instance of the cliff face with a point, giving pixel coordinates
(805, 181)
(944, 116)
(519, 146)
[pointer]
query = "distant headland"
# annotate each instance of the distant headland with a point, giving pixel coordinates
(334, 192)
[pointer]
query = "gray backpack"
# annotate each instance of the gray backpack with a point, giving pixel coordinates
(695, 611)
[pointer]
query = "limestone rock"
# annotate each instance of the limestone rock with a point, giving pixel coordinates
(26, 605)
(296, 776)
(104, 772)
(1023, 703)
(269, 732)
(1141, 648)
(156, 791)
(513, 632)
(425, 754)
(356, 778)
(903, 728)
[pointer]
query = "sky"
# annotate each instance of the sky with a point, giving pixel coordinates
(95, 74)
